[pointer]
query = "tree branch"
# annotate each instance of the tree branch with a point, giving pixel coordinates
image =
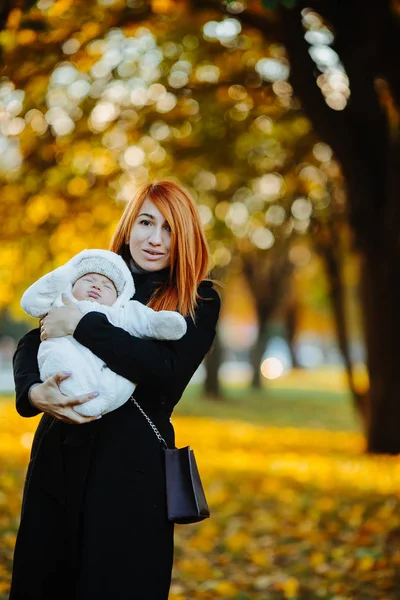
(270, 28)
(355, 145)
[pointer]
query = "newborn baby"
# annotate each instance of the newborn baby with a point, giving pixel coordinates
(96, 280)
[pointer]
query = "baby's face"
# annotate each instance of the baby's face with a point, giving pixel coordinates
(96, 288)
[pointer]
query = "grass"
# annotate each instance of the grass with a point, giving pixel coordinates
(311, 409)
(311, 400)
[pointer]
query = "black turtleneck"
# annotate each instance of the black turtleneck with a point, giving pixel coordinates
(161, 369)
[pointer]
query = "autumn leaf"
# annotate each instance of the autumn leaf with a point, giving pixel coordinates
(296, 514)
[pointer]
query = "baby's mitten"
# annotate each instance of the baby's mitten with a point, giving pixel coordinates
(39, 297)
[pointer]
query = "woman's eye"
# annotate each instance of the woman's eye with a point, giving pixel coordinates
(145, 222)
(167, 228)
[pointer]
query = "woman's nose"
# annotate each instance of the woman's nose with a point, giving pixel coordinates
(155, 236)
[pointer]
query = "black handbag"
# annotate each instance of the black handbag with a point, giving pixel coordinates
(186, 500)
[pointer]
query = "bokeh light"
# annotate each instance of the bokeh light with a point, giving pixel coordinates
(333, 81)
(271, 368)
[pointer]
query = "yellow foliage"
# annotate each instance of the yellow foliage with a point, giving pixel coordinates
(174, 596)
(260, 558)
(37, 209)
(26, 36)
(163, 6)
(366, 563)
(77, 186)
(90, 30)
(103, 162)
(199, 566)
(317, 558)
(290, 588)
(294, 513)
(14, 18)
(8, 39)
(59, 8)
(225, 589)
(58, 207)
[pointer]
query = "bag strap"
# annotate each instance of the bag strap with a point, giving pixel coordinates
(150, 422)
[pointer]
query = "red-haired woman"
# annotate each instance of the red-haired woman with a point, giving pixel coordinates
(94, 524)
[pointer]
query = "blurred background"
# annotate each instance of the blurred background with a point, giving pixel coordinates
(281, 117)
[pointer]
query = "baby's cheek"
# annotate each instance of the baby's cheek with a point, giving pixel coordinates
(78, 295)
(108, 301)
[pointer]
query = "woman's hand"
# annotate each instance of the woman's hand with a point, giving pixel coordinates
(48, 398)
(60, 321)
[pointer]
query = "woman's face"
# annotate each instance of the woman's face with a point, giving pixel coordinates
(150, 240)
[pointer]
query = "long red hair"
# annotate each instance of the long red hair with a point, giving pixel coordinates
(189, 251)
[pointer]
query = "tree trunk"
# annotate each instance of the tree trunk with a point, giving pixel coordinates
(213, 360)
(268, 276)
(291, 316)
(381, 304)
(328, 247)
(257, 352)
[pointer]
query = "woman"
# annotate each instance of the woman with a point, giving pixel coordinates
(93, 523)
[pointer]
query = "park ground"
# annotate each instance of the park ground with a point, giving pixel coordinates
(299, 511)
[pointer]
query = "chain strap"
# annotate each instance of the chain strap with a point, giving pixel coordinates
(150, 422)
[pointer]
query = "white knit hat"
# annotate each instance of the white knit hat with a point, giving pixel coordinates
(101, 266)
(105, 263)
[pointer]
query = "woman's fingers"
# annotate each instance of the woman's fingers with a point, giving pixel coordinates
(59, 377)
(74, 416)
(81, 399)
(65, 412)
(67, 301)
(48, 398)
(42, 330)
(71, 416)
(61, 321)
(64, 404)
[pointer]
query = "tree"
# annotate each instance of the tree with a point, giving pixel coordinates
(365, 139)
(97, 102)
(268, 277)
(213, 361)
(91, 110)
(7, 6)
(355, 109)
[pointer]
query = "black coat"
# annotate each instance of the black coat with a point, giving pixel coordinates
(93, 523)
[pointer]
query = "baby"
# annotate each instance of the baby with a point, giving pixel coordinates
(96, 280)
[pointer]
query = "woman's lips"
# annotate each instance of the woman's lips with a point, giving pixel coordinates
(153, 255)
